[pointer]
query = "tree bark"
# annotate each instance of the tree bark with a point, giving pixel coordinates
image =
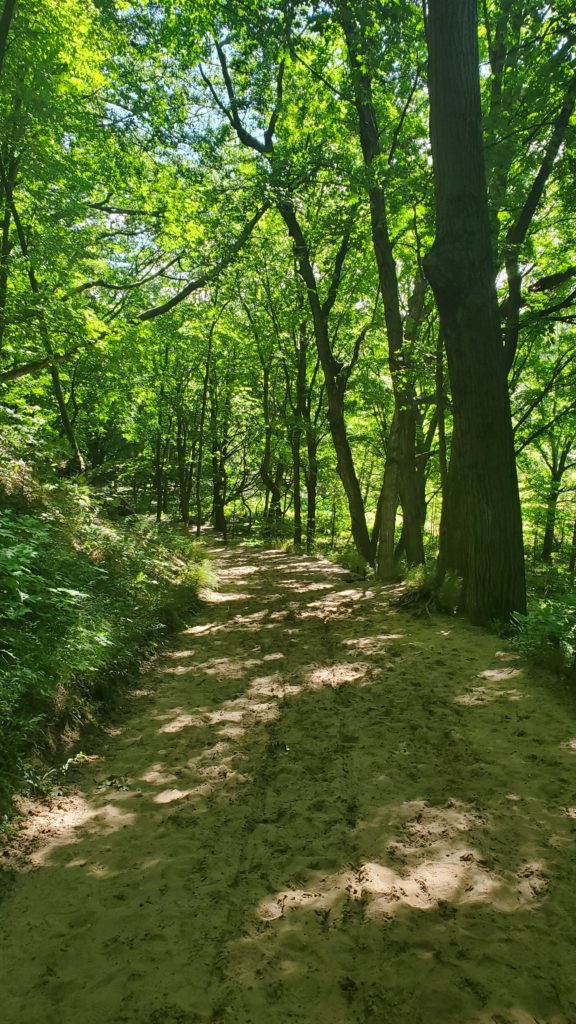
(400, 470)
(572, 562)
(549, 529)
(5, 23)
(219, 480)
(296, 486)
(295, 432)
(205, 383)
(481, 529)
(335, 380)
(311, 488)
(558, 464)
(77, 460)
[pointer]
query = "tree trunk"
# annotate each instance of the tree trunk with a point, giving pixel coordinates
(440, 400)
(549, 538)
(335, 384)
(205, 383)
(419, 506)
(557, 466)
(481, 530)
(77, 461)
(400, 471)
(218, 473)
(5, 247)
(218, 505)
(158, 475)
(183, 471)
(311, 488)
(272, 499)
(572, 562)
(387, 506)
(5, 22)
(296, 488)
(296, 433)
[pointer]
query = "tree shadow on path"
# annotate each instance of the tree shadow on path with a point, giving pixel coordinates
(321, 811)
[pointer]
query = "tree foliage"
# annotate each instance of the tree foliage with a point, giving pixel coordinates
(214, 297)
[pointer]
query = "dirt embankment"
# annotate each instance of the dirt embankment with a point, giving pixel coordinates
(320, 811)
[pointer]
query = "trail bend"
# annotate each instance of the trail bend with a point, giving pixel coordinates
(319, 810)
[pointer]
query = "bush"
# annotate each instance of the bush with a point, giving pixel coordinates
(81, 598)
(548, 635)
(349, 558)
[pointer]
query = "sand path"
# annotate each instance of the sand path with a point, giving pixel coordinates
(318, 811)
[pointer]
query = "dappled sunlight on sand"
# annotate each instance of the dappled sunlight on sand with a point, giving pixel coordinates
(437, 868)
(179, 719)
(306, 820)
(222, 597)
(495, 675)
(485, 695)
(338, 674)
(81, 814)
(308, 588)
(373, 644)
(156, 776)
(168, 796)
(454, 877)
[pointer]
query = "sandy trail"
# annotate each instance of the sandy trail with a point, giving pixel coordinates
(319, 811)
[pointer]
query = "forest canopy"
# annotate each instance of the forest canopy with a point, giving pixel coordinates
(294, 267)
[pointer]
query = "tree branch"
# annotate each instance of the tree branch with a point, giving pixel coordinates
(269, 133)
(210, 275)
(546, 426)
(403, 115)
(343, 249)
(550, 281)
(35, 366)
(517, 232)
(245, 136)
(122, 287)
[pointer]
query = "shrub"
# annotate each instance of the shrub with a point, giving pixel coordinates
(81, 598)
(548, 635)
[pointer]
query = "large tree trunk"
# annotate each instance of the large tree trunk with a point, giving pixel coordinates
(481, 531)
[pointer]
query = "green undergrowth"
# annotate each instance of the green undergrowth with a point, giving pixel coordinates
(547, 633)
(82, 600)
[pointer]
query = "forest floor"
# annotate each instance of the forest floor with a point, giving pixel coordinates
(317, 809)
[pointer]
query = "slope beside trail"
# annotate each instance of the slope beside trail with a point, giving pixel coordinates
(319, 810)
